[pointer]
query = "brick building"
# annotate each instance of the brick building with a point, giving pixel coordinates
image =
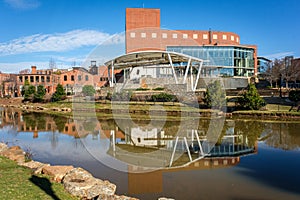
(226, 55)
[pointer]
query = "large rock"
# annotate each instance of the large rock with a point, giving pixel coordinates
(14, 153)
(81, 183)
(3, 147)
(57, 173)
(37, 167)
(114, 197)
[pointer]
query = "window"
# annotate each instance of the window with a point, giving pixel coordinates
(224, 37)
(37, 79)
(143, 35)
(42, 79)
(31, 78)
(86, 77)
(232, 38)
(237, 39)
(132, 35)
(154, 35)
(72, 78)
(79, 77)
(21, 78)
(215, 36)
(48, 79)
(164, 35)
(195, 36)
(174, 35)
(205, 36)
(185, 36)
(65, 77)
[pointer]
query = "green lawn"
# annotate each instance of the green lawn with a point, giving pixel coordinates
(17, 182)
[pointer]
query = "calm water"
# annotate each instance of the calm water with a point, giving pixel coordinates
(242, 159)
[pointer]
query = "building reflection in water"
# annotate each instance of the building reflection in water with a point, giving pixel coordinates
(144, 147)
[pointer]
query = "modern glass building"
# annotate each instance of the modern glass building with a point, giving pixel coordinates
(226, 61)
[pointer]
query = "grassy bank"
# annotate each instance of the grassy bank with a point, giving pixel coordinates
(19, 183)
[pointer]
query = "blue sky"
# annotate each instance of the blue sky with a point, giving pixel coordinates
(67, 31)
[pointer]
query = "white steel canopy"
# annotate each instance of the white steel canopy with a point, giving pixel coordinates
(157, 59)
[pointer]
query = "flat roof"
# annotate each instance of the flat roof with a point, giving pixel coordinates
(149, 58)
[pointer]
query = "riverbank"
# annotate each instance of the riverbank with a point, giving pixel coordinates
(26, 179)
(275, 109)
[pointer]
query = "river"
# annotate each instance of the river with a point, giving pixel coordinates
(185, 159)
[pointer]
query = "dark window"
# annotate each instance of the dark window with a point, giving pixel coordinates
(79, 77)
(86, 77)
(66, 128)
(31, 78)
(21, 78)
(43, 79)
(72, 78)
(65, 77)
(48, 78)
(37, 79)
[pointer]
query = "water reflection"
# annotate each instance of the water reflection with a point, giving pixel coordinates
(60, 140)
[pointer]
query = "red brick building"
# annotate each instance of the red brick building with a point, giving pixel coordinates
(222, 49)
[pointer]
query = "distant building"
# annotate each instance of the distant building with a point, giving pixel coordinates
(8, 87)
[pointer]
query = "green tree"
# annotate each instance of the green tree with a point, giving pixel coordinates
(250, 99)
(39, 94)
(28, 91)
(215, 96)
(59, 94)
(88, 90)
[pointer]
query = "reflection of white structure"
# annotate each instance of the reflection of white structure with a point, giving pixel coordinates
(167, 149)
(147, 137)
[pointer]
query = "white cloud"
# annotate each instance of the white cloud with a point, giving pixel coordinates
(278, 55)
(57, 42)
(23, 4)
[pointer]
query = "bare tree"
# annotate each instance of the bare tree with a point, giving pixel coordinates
(273, 72)
(24, 71)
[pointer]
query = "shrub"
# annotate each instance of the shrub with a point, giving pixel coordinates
(250, 99)
(294, 95)
(158, 89)
(141, 89)
(88, 90)
(215, 96)
(163, 97)
(122, 96)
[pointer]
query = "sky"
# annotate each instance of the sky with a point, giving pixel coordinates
(32, 32)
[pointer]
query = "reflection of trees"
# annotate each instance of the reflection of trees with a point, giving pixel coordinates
(251, 129)
(35, 120)
(283, 135)
(60, 122)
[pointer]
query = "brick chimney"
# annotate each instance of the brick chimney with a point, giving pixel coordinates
(33, 69)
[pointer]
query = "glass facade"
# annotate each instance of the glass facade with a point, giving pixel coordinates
(221, 60)
(263, 65)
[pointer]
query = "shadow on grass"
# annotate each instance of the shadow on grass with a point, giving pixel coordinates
(45, 185)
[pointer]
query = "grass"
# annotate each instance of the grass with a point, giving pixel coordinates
(18, 182)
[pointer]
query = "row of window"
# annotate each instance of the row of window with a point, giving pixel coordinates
(185, 36)
(33, 79)
(79, 78)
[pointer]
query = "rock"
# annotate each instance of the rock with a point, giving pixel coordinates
(14, 153)
(3, 147)
(79, 182)
(114, 197)
(37, 167)
(57, 172)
